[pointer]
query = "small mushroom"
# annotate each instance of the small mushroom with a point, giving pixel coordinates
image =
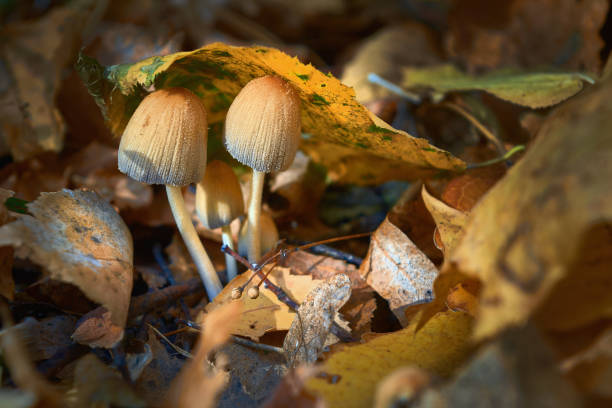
(268, 238)
(262, 131)
(218, 202)
(164, 142)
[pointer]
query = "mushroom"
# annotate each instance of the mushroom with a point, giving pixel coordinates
(218, 202)
(164, 142)
(262, 131)
(268, 237)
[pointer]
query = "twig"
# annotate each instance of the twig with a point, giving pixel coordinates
(505, 157)
(257, 346)
(153, 300)
(176, 348)
(332, 252)
(378, 80)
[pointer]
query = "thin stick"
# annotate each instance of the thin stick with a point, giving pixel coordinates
(192, 241)
(230, 261)
(159, 257)
(254, 214)
(500, 159)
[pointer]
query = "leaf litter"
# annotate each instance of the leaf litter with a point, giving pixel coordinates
(484, 282)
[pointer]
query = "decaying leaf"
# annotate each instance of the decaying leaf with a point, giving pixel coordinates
(449, 221)
(306, 337)
(36, 54)
(265, 313)
(7, 284)
(96, 384)
(198, 384)
(97, 329)
(330, 114)
(397, 269)
(79, 239)
(518, 370)
(352, 373)
(535, 90)
(523, 239)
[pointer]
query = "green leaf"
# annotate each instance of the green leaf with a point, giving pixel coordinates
(535, 90)
(340, 133)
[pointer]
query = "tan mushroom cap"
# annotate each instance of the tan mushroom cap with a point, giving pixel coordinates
(269, 235)
(262, 127)
(218, 196)
(165, 140)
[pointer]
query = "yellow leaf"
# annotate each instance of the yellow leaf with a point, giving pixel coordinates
(265, 313)
(338, 132)
(439, 347)
(524, 239)
(449, 221)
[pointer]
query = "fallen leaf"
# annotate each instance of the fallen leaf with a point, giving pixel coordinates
(7, 284)
(96, 329)
(36, 54)
(265, 313)
(397, 269)
(517, 370)
(522, 239)
(96, 384)
(292, 390)
(483, 34)
(459, 298)
(198, 385)
(78, 238)
(464, 191)
(381, 55)
(449, 221)
(311, 326)
(353, 372)
(535, 90)
(330, 113)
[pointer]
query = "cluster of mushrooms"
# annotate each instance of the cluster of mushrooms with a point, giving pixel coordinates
(165, 143)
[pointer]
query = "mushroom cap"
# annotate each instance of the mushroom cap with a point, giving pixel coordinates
(165, 140)
(218, 196)
(262, 127)
(269, 235)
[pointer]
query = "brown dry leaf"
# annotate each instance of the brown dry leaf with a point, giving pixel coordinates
(523, 239)
(78, 238)
(306, 337)
(380, 54)
(359, 309)
(265, 313)
(96, 329)
(517, 370)
(36, 54)
(23, 372)
(352, 373)
(98, 385)
(459, 298)
(7, 284)
(492, 34)
(198, 385)
(397, 269)
(465, 190)
(449, 221)
(591, 369)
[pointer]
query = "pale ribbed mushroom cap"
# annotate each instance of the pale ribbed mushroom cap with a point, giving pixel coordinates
(165, 140)
(269, 235)
(262, 127)
(218, 196)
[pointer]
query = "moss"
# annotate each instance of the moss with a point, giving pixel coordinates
(319, 100)
(377, 129)
(303, 77)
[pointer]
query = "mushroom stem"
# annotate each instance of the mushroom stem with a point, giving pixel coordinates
(230, 262)
(207, 272)
(254, 213)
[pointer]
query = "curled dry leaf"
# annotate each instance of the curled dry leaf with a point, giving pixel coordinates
(306, 337)
(540, 237)
(96, 329)
(78, 238)
(198, 384)
(351, 374)
(449, 221)
(397, 269)
(265, 313)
